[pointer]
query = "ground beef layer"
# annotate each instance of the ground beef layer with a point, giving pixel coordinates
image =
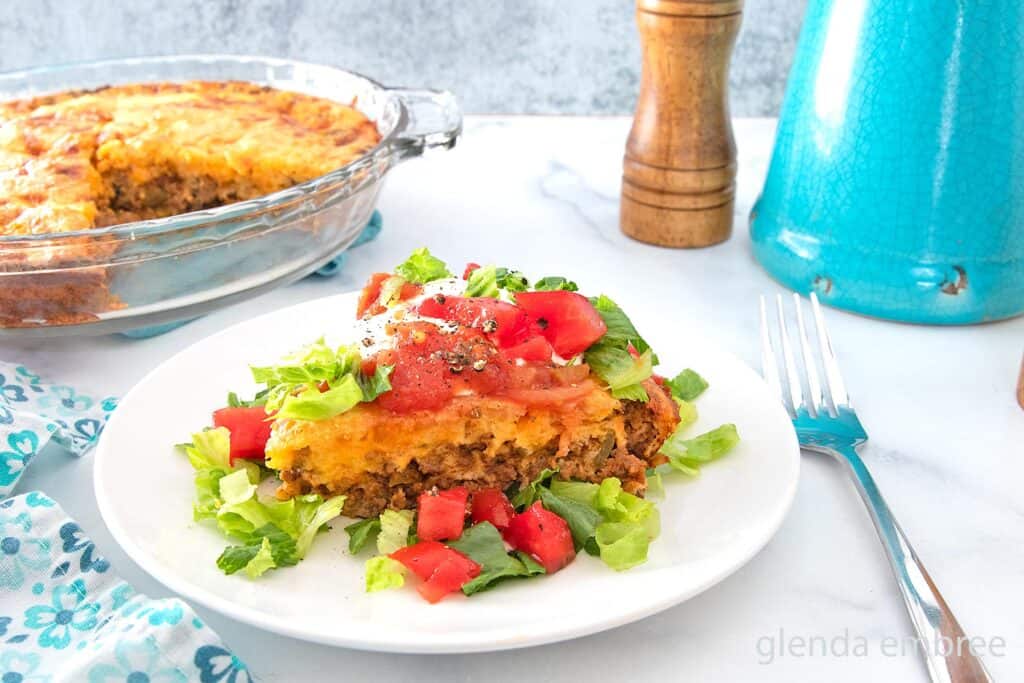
(380, 460)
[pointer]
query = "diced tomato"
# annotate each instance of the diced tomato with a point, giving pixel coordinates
(442, 569)
(470, 267)
(534, 349)
(369, 299)
(568, 320)
(440, 516)
(371, 292)
(451, 575)
(422, 558)
(543, 535)
(491, 505)
(425, 558)
(249, 429)
(500, 320)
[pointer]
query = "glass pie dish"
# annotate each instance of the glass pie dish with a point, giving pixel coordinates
(155, 272)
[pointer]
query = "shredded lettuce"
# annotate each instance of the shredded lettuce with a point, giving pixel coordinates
(582, 519)
(554, 282)
(655, 485)
(620, 328)
(622, 544)
(687, 385)
(580, 491)
(422, 267)
(259, 399)
(270, 533)
(362, 533)
(483, 282)
(391, 291)
(383, 573)
(490, 280)
(210, 448)
(511, 280)
(264, 548)
(376, 384)
(317, 382)
(525, 496)
(610, 357)
(394, 530)
(687, 455)
(687, 413)
(313, 404)
(482, 543)
(616, 365)
(311, 363)
(618, 525)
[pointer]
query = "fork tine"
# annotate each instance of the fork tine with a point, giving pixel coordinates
(833, 379)
(817, 400)
(768, 367)
(792, 378)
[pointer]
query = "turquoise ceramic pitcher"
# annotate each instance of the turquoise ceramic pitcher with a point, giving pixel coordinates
(896, 187)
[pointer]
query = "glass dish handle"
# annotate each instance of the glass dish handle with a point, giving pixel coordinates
(435, 120)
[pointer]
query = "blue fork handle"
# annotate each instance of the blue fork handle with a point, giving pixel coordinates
(945, 646)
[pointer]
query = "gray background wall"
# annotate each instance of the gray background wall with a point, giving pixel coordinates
(512, 56)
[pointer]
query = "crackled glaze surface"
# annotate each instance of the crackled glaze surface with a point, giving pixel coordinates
(895, 186)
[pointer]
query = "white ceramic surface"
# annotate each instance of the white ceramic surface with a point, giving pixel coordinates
(710, 525)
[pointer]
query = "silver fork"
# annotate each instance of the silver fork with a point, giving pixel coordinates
(826, 423)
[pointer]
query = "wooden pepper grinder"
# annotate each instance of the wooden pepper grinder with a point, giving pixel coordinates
(679, 173)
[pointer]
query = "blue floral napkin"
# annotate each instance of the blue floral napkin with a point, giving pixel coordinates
(64, 614)
(33, 413)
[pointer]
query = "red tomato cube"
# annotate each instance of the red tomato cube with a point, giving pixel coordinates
(423, 557)
(451, 575)
(542, 535)
(491, 505)
(568, 320)
(536, 349)
(504, 323)
(442, 569)
(440, 516)
(250, 430)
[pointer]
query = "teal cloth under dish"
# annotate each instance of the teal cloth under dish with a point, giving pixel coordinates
(329, 269)
(64, 614)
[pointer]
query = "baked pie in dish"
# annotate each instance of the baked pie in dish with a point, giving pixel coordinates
(142, 191)
(79, 160)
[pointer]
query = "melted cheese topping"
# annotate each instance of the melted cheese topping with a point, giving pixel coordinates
(65, 158)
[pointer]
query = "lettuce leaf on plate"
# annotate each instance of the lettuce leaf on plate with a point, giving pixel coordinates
(271, 533)
(687, 385)
(422, 267)
(553, 283)
(383, 573)
(618, 525)
(687, 455)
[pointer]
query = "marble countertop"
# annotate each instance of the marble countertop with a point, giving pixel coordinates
(947, 437)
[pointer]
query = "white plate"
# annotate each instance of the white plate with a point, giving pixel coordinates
(710, 526)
